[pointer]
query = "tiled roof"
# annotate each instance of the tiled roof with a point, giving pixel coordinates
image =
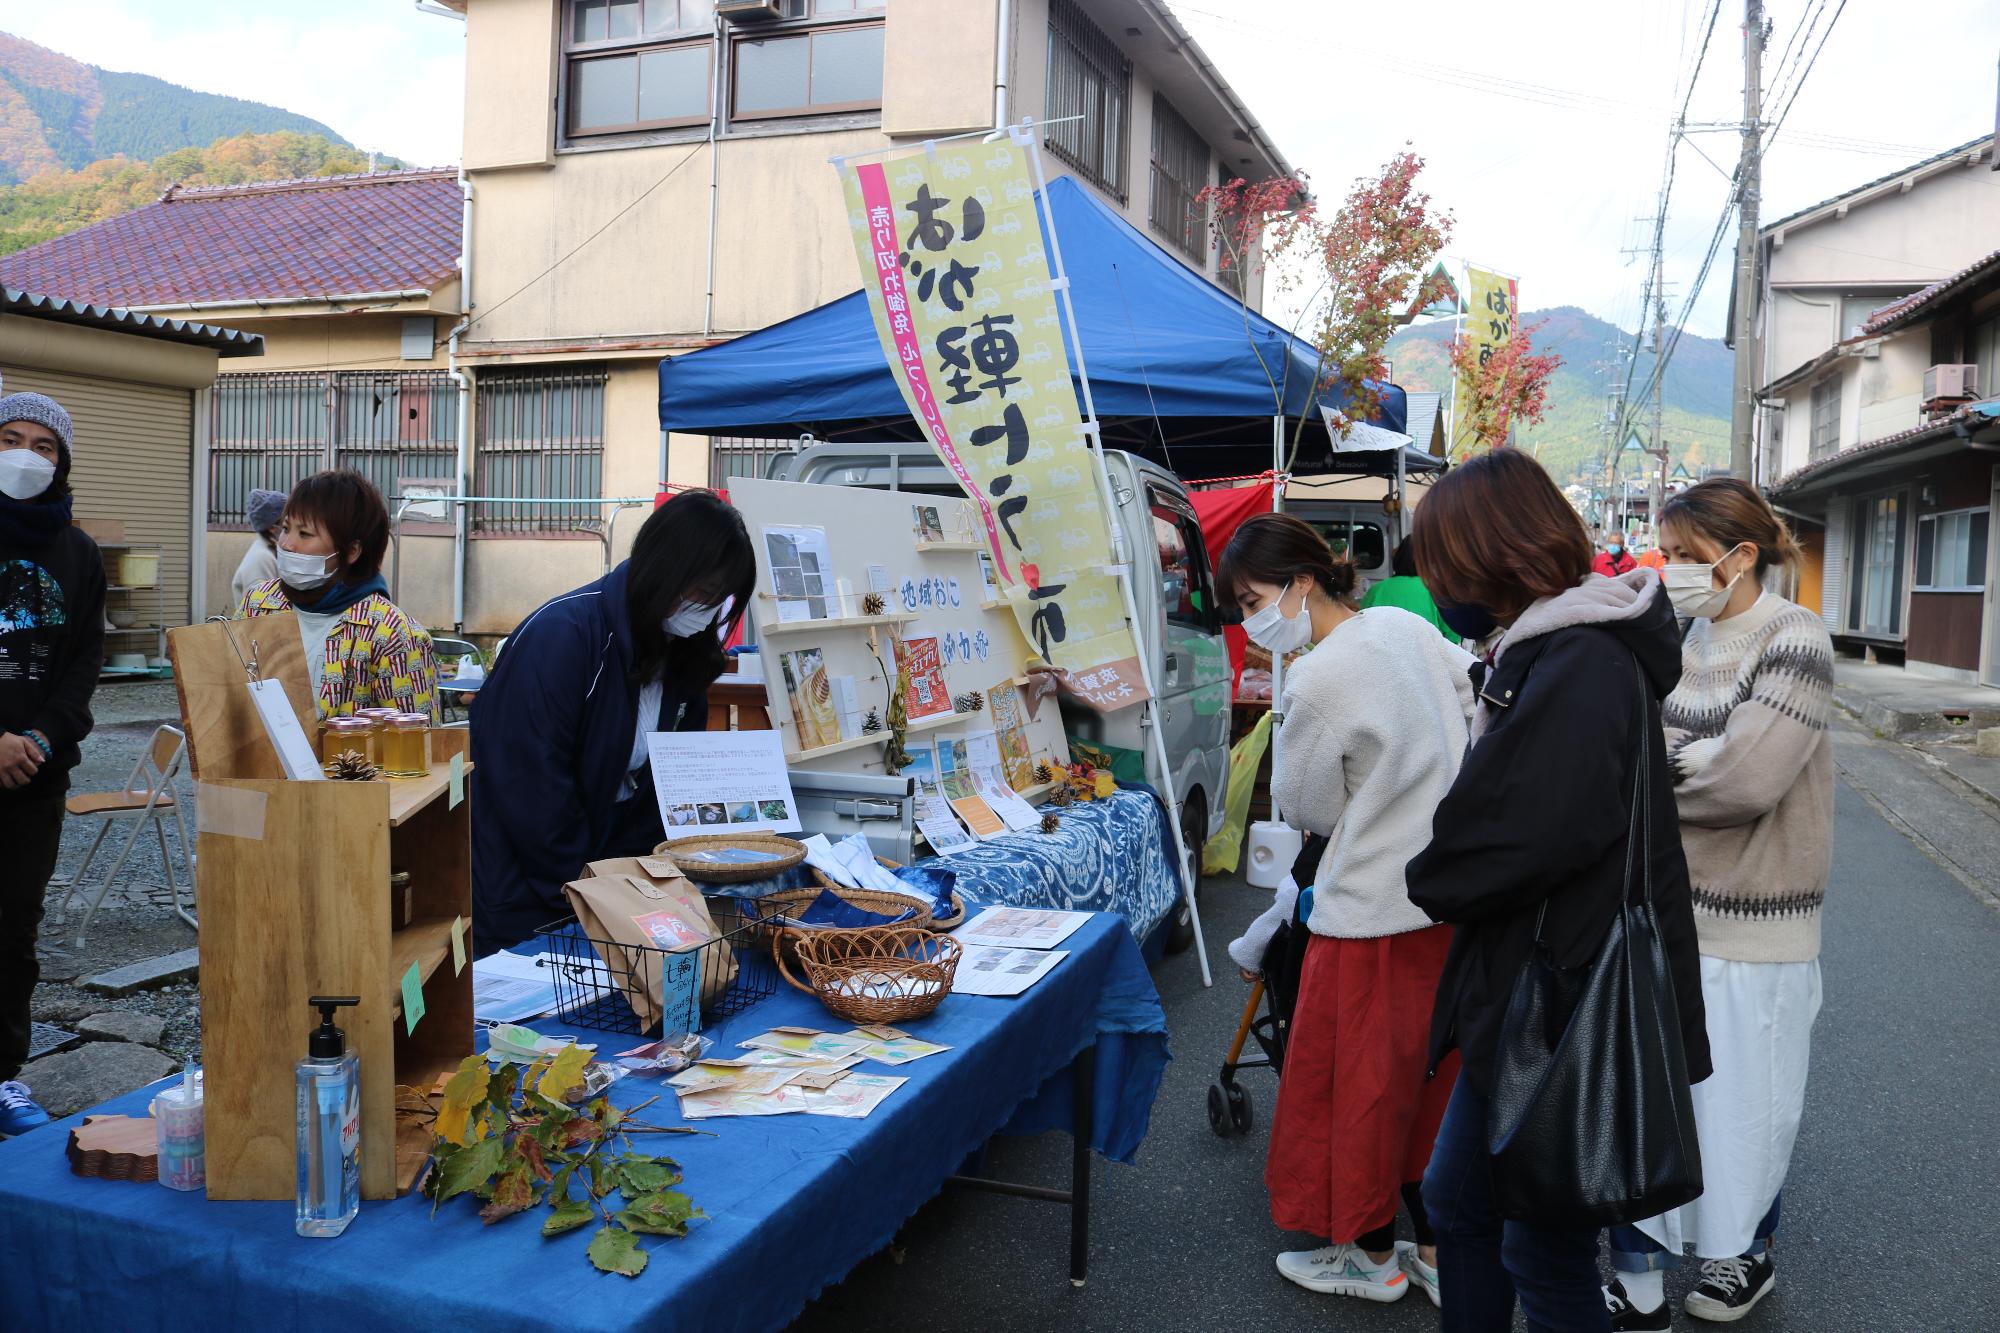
(1983, 141)
(319, 237)
(1902, 439)
(226, 342)
(1898, 313)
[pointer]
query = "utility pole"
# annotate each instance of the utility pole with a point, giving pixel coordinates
(1749, 171)
(1659, 381)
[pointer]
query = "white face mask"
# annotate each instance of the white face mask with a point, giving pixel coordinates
(25, 474)
(689, 619)
(305, 572)
(1277, 633)
(1692, 590)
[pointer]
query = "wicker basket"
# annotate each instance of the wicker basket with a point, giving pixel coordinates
(952, 922)
(883, 974)
(788, 851)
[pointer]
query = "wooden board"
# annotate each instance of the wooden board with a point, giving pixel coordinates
(115, 1147)
(226, 739)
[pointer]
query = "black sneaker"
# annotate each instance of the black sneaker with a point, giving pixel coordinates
(1627, 1319)
(1729, 1288)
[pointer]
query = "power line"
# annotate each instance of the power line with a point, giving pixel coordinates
(1799, 83)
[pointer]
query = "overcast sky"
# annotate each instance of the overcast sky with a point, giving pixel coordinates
(1545, 135)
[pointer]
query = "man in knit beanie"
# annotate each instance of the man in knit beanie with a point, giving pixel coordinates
(42, 410)
(263, 511)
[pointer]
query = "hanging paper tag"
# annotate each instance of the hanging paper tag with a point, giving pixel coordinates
(281, 724)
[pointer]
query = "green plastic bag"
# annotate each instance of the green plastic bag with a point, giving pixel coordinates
(1221, 854)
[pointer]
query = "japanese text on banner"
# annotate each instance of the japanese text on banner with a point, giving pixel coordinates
(1492, 314)
(958, 282)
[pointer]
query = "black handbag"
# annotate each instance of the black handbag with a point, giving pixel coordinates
(1591, 1120)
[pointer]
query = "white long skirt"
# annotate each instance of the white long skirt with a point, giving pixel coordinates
(1746, 1113)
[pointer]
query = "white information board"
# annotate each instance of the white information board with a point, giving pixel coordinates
(823, 676)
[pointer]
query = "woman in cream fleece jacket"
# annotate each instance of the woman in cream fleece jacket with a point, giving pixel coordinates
(1752, 760)
(1374, 726)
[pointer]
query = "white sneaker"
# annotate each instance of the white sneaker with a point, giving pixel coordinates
(1422, 1276)
(1343, 1270)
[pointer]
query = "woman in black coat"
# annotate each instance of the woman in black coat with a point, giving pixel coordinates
(1538, 816)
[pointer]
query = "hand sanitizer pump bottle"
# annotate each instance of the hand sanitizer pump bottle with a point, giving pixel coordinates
(329, 1081)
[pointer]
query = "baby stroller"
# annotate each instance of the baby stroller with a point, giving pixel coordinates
(1277, 990)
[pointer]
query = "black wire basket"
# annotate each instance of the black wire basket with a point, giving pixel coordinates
(595, 979)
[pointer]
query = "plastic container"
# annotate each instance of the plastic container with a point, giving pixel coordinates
(177, 1119)
(1272, 847)
(139, 569)
(406, 745)
(329, 1127)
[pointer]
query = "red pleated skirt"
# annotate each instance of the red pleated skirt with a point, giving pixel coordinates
(1356, 1116)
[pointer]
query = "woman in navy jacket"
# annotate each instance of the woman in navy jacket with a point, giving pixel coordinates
(560, 775)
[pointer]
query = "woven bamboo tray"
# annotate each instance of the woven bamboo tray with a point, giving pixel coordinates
(788, 851)
(952, 922)
(882, 974)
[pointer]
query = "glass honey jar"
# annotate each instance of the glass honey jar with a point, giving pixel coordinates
(406, 745)
(346, 735)
(379, 717)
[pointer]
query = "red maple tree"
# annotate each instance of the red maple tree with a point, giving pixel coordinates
(1499, 384)
(1355, 271)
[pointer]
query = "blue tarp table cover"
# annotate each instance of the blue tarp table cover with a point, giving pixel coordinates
(794, 1202)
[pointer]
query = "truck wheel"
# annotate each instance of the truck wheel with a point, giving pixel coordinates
(1194, 823)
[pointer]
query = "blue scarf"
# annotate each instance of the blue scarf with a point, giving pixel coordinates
(33, 523)
(339, 596)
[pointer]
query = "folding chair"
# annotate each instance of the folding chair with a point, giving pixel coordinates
(447, 652)
(150, 793)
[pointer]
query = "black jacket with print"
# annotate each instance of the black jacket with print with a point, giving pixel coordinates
(51, 649)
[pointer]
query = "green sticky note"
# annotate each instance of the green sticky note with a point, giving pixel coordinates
(457, 779)
(457, 945)
(413, 998)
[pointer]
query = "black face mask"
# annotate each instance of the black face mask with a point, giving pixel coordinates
(1468, 621)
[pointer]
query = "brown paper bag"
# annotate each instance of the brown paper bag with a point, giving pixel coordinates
(630, 906)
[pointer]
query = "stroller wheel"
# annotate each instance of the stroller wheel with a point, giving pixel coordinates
(1219, 1118)
(1239, 1109)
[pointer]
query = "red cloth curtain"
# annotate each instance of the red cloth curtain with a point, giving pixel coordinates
(1221, 511)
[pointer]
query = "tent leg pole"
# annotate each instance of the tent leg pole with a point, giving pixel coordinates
(1277, 660)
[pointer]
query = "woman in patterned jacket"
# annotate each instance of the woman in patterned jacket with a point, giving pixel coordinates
(362, 651)
(1752, 760)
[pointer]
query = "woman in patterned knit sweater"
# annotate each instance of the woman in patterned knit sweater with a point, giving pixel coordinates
(1752, 759)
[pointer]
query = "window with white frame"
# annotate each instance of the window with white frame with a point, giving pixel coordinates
(1826, 417)
(1951, 551)
(1088, 108)
(1180, 169)
(650, 64)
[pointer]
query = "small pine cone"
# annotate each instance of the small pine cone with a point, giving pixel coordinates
(969, 702)
(1061, 796)
(873, 605)
(1044, 775)
(873, 722)
(1051, 822)
(352, 767)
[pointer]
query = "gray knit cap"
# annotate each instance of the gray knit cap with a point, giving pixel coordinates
(40, 409)
(263, 509)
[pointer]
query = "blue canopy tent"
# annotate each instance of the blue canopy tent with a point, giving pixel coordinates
(1172, 367)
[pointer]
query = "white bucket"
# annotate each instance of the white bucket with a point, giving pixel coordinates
(1273, 847)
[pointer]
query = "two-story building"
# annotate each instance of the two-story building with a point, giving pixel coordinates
(649, 178)
(1909, 566)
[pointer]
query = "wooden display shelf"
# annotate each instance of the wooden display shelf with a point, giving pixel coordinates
(877, 737)
(837, 622)
(294, 886)
(952, 546)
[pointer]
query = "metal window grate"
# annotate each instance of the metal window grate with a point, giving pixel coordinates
(1088, 76)
(1180, 166)
(540, 436)
(731, 458)
(271, 430)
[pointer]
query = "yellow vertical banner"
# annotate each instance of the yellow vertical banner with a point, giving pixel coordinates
(959, 284)
(1492, 313)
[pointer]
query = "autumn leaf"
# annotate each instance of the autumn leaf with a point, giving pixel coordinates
(665, 1213)
(530, 1150)
(462, 1169)
(567, 1216)
(581, 1130)
(513, 1193)
(465, 1091)
(564, 1072)
(615, 1250)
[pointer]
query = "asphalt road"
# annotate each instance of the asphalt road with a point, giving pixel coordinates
(1888, 1213)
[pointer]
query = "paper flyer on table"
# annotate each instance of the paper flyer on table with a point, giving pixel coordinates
(507, 988)
(983, 970)
(816, 1045)
(722, 782)
(898, 1050)
(979, 817)
(940, 826)
(1004, 802)
(1020, 927)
